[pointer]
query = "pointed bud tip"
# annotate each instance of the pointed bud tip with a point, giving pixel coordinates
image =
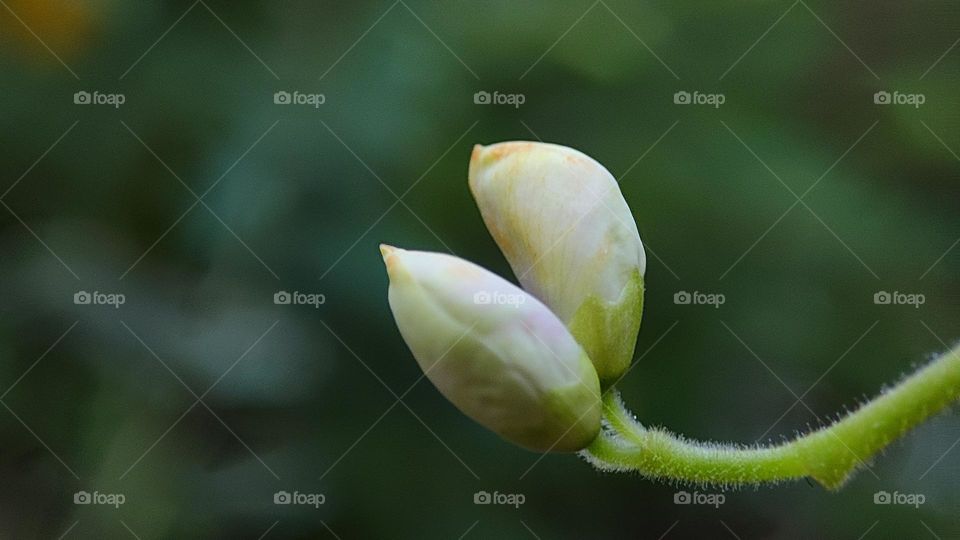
(389, 254)
(485, 155)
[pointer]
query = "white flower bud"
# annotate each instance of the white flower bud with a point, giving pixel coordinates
(494, 351)
(564, 227)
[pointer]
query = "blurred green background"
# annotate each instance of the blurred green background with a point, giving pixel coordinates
(302, 399)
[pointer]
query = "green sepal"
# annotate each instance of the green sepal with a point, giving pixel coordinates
(608, 330)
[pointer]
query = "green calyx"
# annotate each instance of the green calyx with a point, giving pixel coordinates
(608, 330)
(566, 412)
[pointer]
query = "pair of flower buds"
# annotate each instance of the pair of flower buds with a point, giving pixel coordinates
(529, 363)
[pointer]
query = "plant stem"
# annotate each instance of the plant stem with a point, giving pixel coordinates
(829, 455)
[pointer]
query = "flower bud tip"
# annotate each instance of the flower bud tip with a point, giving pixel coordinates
(389, 254)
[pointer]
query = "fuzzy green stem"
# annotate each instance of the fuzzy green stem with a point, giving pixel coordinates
(829, 455)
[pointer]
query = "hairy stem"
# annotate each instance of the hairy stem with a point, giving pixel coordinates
(829, 455)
